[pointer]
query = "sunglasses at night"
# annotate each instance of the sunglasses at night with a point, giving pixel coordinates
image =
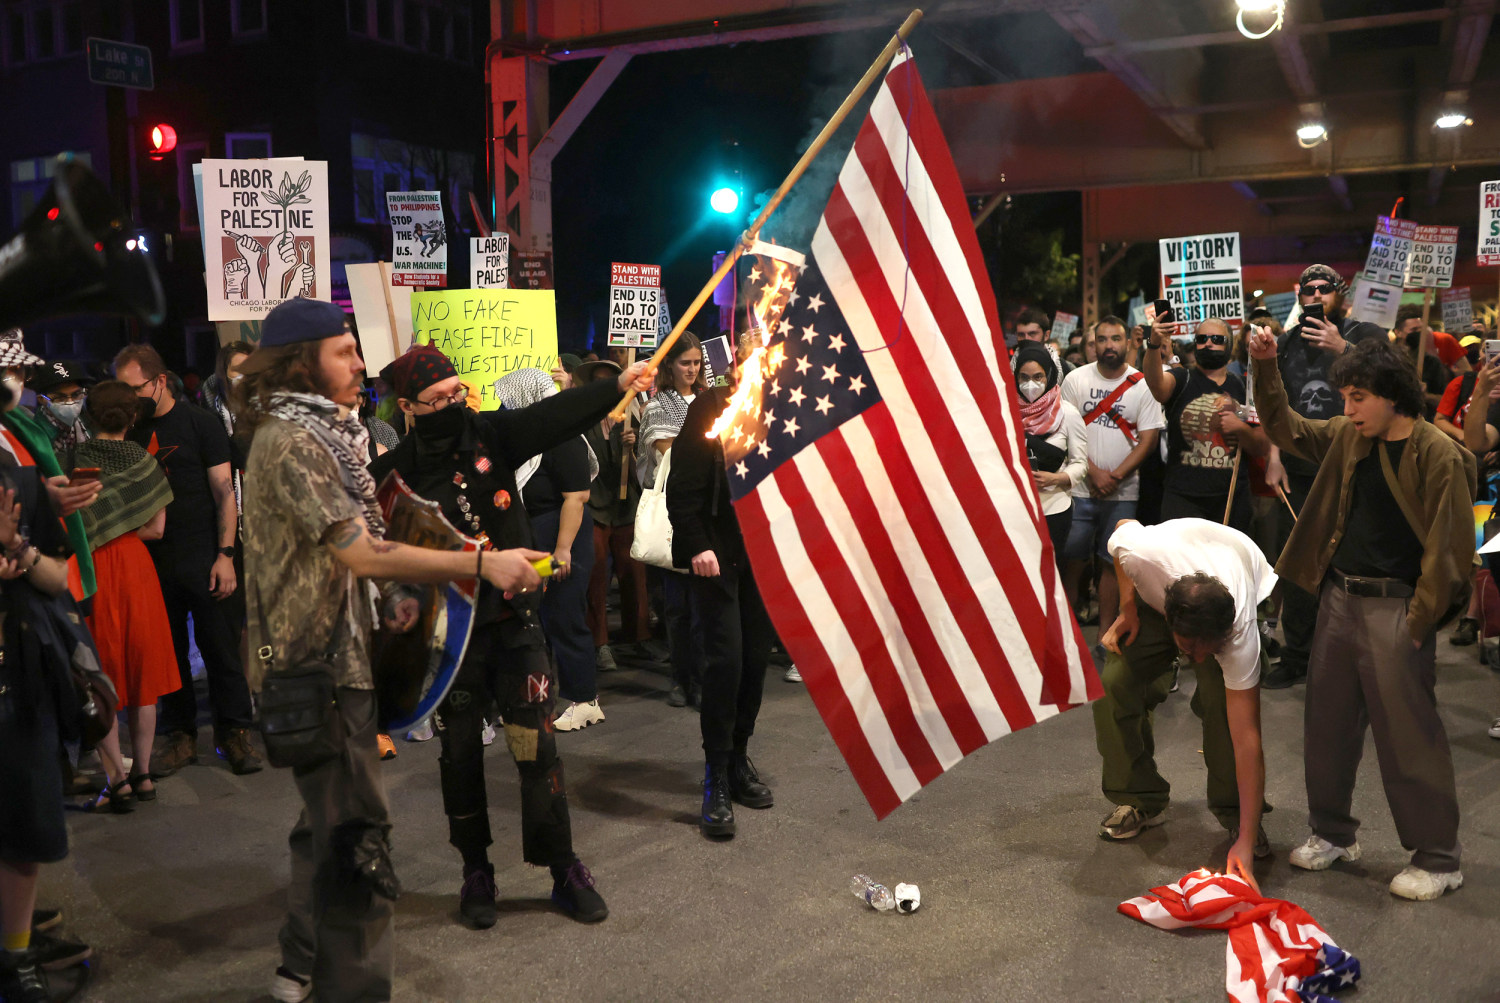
(1317, 289)
(1217, 339)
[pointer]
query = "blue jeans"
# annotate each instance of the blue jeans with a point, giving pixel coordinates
(1093, 523)
(565, 608)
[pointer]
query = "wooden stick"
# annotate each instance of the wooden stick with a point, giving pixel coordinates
(1288, 502)
(626, 452)
(1234, 480)
(800, 168)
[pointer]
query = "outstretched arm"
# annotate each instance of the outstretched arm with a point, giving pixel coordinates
(1242, 707)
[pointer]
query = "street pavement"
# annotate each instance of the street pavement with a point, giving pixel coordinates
(182, 899)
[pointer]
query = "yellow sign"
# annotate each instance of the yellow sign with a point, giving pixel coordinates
(488, 332)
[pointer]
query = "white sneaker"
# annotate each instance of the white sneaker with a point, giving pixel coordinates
(421, 734)
(1495, 728)
(1317, 854)
(791, 675)
(487, 734)
(1422, 886)
(578, 716)
(289, 988)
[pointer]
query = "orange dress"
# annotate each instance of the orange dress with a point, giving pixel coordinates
(129, 624)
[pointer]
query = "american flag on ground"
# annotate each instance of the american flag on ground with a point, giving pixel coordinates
(878, 469)
(1277, 953)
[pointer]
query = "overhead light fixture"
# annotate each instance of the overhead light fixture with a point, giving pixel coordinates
(1275, 9)
(1310, 134)
(1452, 120)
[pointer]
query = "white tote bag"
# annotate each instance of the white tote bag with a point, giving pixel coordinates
(653, 530)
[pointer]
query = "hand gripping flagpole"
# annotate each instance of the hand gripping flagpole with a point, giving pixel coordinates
(749, 236)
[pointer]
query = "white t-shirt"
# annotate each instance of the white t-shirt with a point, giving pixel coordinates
(1156, 556)
(1084, 388)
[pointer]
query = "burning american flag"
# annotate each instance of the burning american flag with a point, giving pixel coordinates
(883, 490)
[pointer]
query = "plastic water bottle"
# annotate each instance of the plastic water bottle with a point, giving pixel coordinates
(872, 892)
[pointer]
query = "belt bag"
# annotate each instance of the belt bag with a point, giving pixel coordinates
(299, 715)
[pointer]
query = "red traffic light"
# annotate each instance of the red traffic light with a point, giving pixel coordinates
(163, 141)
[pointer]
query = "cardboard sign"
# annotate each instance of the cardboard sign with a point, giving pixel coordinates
(634, 305)
(1136, 315)
(382, 313)
(718, 360)
(488, 332)
(419, 239)
(1281, 306)
(265, 235)
(489, 262)
(1375, 302)
(247, 331)
(1389, 260)
(1458, 310)
(1063, 325)
(1201, 277)
(1489, 223)
(1434, 249)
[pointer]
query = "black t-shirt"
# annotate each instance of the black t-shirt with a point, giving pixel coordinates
(187, 441)
(1304, 374)
(1378, 541)
(1200, 464)
(563, 469)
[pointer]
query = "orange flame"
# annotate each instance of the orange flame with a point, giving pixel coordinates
(764, 314)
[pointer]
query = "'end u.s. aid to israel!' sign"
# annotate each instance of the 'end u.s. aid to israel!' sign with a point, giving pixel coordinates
(634, 305)
(1200, 277)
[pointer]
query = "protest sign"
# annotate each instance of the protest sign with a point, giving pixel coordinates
(247, 331)
(1434, 249)
(488, 332)
(1200, 276)
(718, 359)
(1063, 325)
(489, 262)
(1389, 260)
(1280, 305)
(1489, 223)
(382, 312)
(1375, 302)
(1136, 315)
(1458, 310)
(419, 239)
(634, 305)
(533, 270)
(265, 235)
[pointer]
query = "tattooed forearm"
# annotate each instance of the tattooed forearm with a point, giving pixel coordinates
(383, 546)
(345, 533)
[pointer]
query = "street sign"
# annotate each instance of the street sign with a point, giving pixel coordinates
(120, 64)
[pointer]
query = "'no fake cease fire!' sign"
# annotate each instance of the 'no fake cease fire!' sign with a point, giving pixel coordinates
(488, 332)
(1200, 276)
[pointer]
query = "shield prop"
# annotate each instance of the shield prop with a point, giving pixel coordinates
(414, 670)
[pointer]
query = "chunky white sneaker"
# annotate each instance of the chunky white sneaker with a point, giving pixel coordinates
(422, 733)
(1422, 886)
(289, 987)
(791, 675)
(487, 734)
(578, 716)
(1317, 854)
(1495, 728)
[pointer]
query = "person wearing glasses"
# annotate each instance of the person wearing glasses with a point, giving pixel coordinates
(1205, 439)
(61, 389)
(466, 462)
(1303, 355)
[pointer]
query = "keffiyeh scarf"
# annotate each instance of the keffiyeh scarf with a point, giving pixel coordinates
(663, 420)
(345, 437)
(521, 389)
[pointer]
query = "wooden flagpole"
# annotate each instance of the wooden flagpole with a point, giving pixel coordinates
(800, 168)
(1288, 503)
(626, 453)
(1234, 480)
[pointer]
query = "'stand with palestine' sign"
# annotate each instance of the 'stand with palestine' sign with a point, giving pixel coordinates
(488, 332)
(634, 305)
(1389, 261)
(1200, 276)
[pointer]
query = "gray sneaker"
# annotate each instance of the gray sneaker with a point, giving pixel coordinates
(1126, 822)
(604, 659)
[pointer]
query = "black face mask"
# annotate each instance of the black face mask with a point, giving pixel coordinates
(1212, 358)
(444, 424)
(1473, 354)
(1413, 338)
(145, 408)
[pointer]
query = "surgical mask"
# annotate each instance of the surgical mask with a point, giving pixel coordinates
(66, 413)
(1212, 358)
(1030, 390)
(444, 424)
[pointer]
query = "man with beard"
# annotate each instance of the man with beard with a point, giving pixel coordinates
(1303, 354)
(466, 462)
(1121, 424)
(1435, 374)
(312, 545)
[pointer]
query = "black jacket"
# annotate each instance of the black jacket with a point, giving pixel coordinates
(698, 503)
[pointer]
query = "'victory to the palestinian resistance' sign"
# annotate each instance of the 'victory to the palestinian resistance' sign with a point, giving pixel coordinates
(1200, 276)
(488, 332)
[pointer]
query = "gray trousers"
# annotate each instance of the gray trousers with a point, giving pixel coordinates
(338, 930)
(1365, 672)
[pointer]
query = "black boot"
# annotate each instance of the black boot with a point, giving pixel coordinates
(476, 900)
(745, 786)
(21, 979)
(718, 811)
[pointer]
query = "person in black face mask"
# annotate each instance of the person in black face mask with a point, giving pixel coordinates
(1203, 432)
(466, 462)
(1435, 374)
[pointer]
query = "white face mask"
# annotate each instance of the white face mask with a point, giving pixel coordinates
(1030, 390)
(66, 413)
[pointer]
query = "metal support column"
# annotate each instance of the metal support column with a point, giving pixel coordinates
(518, 106)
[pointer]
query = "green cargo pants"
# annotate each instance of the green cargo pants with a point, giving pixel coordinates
(1134, 683)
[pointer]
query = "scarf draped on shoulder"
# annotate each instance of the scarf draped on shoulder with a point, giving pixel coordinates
(132, 489)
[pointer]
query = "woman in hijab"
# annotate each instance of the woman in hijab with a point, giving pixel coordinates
(1055, 445)
(554, 489)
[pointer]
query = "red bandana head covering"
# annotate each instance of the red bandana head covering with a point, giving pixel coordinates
(418, 369)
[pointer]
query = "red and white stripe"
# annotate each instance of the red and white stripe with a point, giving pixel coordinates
(905, 558)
